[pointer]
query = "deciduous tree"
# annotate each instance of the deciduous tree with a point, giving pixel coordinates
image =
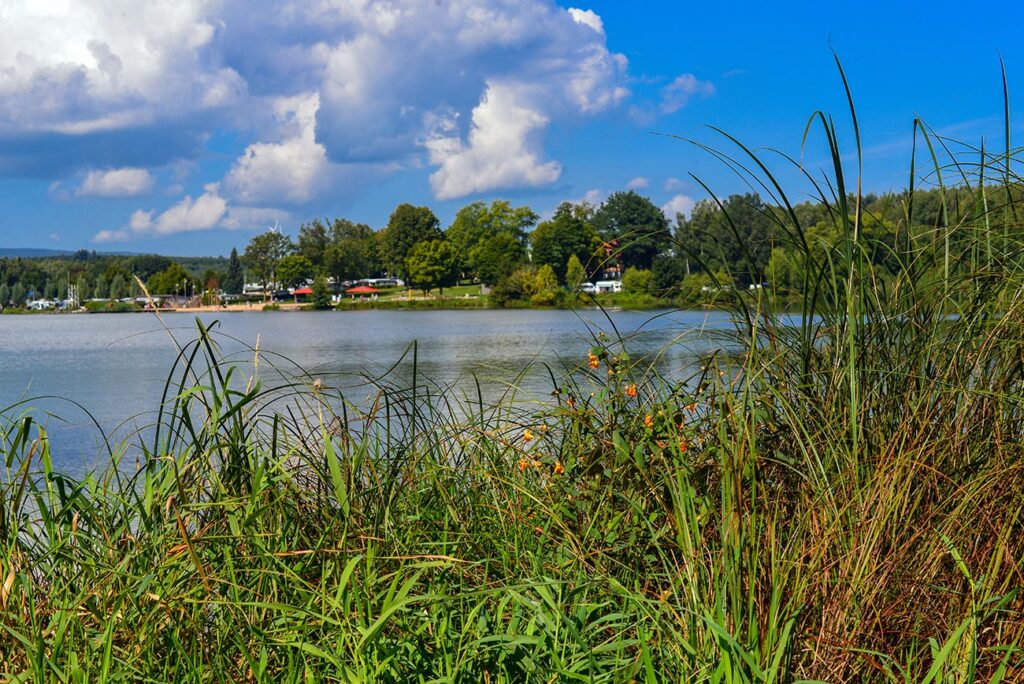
(407, 226)
(639, 227)
(263, 253)
(430, 264)
(568, 232)
(294, 270)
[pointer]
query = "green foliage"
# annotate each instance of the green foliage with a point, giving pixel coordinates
(118, 287)
(575, 275)
(407, 226)
(353, 251)
(636, 224)
(102, 289)
(545, 287)
(478, 223)
(568, 233)
(432, 264)
(111, 307)
(496, 257)
(313, 242)
(171, 280)
(638, 281)
(234, 280)
(706, 288)
(263, 253)
(321, 293)
(293, 270)
(667, 273)
(538, 286)
(84, 291)
(737, 236)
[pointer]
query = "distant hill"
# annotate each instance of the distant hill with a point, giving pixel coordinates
(37, 253)
(30, 253)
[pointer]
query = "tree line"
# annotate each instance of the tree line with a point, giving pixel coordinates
(740, 240)
(502, 246)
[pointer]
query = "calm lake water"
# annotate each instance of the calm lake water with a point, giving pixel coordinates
(115, 365)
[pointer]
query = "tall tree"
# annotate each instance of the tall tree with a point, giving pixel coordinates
(234, 281)
(82, 285)
(639, 227)
(352, 252)
(568, 232)
(737, 236)
(102, 290)
(321, 293)
(574, 273)
(407, 226)
(496, 257)
(432, 263)
(476, 223)
(293, 270)
(312, 243)
(263, 253)
(173, 279)
(118, 287)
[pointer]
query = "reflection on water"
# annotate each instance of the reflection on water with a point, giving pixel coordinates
(116, 365)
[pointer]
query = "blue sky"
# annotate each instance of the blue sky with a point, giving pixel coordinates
(187, 127)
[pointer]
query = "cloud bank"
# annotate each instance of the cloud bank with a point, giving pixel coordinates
(327, 94)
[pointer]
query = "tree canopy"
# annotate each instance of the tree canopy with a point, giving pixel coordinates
(432, 263)
(567, 233)
(407, 226)
(638, 227)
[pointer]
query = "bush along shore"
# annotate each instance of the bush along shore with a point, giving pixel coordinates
(840, 501)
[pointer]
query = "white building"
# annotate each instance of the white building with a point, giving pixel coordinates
(608, 286)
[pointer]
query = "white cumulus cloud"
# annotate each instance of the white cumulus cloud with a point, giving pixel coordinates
(503, 150)
(293, 170)
(678, 93)
(105, 236)
(126, 182)
(673, 184)
(202, 213)
(638, 183)
(588, 18)
(679, 204)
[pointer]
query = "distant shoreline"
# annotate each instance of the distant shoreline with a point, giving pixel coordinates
(416, 304)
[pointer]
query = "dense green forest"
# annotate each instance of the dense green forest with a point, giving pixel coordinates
(739, 241)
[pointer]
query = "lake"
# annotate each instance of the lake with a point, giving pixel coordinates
(115, 365)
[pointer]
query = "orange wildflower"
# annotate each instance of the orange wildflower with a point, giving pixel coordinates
(523, 465)
(630, 391)
(527, 435)
(593, 361)
(648, 421)
(692, 408)
(571, 402)
(683, 446)
(559, 468)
